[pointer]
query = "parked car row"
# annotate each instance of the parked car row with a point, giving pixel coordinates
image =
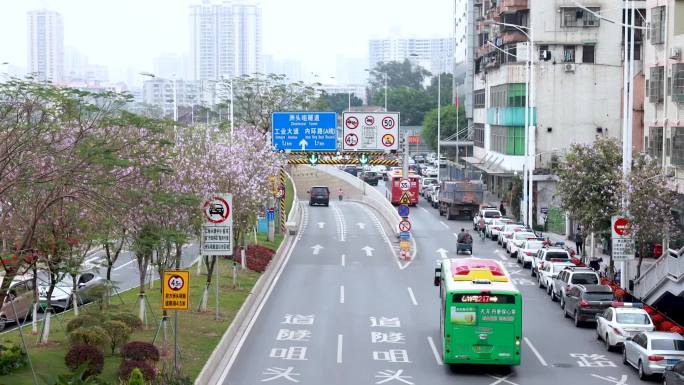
(625, 327)
(18, 304)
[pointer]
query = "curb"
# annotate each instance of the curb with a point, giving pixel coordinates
(212, 370)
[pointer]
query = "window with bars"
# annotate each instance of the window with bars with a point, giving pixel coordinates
(655, 143)
(578, 17)
(478, 135)
(507, 95)
(569, 54)
(479, 98)
(678, 82)
(657, 25)
(498, 139)
(655, 85)
(677, 146)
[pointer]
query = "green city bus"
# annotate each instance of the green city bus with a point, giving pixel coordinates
(480, 313)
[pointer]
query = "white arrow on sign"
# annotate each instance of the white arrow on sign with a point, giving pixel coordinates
(316, 249)
(368, 250)
(321, 225)
(442, 253)
(303, 143)
(361, 225)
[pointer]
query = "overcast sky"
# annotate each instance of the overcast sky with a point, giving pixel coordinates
(125, 34)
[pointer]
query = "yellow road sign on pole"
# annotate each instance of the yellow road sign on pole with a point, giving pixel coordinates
(176, 290)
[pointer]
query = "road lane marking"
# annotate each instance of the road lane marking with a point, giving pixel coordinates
(413, 297)
(536, 352)
(503, 258)
(254, 318)
(502, 379)
(341, 294)
(434, 351)
(622, 381)
(343, 259)
(424, 209)
(455, 235)
(124, 265)
(444, 224)
(339, 348)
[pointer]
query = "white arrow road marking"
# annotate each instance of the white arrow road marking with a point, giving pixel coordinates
(434, 351)
(321, 225)
(413, 297)
(339, 348)
(316, 249)
(535, 351)
(502, 379)
(368, 250)
(361, 225)
(442, 253)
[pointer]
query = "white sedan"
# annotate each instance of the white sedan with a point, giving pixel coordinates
(549, 272)
(622, 320)
(507, 233)
(528, 250)
(494, 228)
(517, 241)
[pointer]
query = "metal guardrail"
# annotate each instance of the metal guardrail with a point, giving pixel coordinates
(669, 267)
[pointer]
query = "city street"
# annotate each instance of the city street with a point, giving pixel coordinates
(343, 311)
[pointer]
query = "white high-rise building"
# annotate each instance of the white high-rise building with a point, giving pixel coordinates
(435, 55)
(46, 44)
(226, 39)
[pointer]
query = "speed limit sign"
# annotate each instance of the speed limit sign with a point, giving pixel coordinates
(404, 184)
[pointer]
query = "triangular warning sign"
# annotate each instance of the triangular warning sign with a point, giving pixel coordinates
(405, 198)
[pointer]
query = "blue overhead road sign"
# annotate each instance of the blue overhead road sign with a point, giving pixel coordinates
(304, 131)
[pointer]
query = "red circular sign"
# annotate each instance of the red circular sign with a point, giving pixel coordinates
(369, 120)
(175, 282)
(404, 226)
(216, 210)
(388, 140)
(351, 140)
(352, 122)
(388, 122)
(621, 226)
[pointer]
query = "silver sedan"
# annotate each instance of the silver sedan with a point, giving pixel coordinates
(653, 352)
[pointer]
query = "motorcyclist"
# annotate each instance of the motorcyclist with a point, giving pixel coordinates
(481, 224)
(461, 236)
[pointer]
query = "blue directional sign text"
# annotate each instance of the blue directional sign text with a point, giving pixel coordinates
(304, 131)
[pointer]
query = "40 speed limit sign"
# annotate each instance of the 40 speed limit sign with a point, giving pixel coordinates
(175, 290)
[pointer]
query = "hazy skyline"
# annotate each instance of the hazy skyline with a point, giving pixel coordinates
(127, 34)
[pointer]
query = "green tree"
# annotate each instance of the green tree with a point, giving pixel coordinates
(339, 102)
(399, 74)
(591, 183)
(447, 124)
(412, 103)
(446, 85)
(257, 96)
(651, 199)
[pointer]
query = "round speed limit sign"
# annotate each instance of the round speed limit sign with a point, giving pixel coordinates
(404, 184)
(176, 282)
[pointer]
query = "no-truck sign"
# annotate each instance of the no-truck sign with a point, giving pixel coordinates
(217, 230)
(372, 131)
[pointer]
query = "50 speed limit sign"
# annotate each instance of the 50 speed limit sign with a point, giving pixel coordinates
(404, 184)
(176, 287)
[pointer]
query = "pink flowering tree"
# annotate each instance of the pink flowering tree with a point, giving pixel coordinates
(651, 199)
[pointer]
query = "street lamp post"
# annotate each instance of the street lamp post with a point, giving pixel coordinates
(230, 84)
(385, 90)
(439, 125)
(175, 106)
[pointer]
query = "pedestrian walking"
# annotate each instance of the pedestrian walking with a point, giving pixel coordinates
(502, 209)
(579, 241)
(340, 193)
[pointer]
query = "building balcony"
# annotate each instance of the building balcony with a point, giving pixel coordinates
(509, 116)
(511, 6)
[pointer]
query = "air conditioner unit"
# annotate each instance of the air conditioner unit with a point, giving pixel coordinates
(569, 67)
(675, 53)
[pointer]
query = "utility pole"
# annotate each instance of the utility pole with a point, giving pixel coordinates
(405, 163)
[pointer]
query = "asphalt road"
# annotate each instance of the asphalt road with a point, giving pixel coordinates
(344, 311)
